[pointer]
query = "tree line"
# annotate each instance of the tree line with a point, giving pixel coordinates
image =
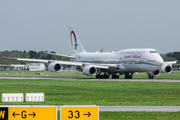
(31, 54)
(171, 56)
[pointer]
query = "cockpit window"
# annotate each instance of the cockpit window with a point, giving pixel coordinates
(153, 52)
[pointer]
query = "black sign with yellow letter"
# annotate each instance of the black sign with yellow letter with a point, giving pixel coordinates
(28, 113)
(3, 113)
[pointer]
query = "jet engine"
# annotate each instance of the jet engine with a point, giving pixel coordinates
(89, 70)
(166, 69)
(54, 67)
(155, 73)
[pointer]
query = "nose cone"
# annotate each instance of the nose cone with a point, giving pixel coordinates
(160, 61)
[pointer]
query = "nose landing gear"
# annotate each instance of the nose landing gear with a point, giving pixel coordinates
(151, 76)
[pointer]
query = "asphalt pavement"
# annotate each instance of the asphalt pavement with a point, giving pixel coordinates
(87, 79)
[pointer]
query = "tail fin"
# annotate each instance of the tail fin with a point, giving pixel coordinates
(75, 41)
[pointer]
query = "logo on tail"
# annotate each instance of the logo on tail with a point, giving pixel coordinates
(75, 41)
(75, 44)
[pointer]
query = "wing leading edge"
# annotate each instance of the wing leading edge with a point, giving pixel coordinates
(67, 56)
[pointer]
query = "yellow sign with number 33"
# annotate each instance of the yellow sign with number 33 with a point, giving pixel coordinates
(79, 113)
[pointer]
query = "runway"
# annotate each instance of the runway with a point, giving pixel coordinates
(140, 108)
(87, 79)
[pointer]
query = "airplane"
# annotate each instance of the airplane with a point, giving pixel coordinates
(104, 64)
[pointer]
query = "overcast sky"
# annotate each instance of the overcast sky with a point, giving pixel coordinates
(109, 24)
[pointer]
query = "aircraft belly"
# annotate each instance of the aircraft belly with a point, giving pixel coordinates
(133, 67)
(113, 70)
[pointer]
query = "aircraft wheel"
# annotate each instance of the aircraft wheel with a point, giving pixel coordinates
(128, 76)
(97, 76)
(151, 77)
(106, 76)
(103, 76)
(115, 76)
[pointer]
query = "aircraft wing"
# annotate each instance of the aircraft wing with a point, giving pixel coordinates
(26, 59)
(60, 62)
(67, 56)
(46, 61)
(171, 62)
(96, 65)
(69, 63)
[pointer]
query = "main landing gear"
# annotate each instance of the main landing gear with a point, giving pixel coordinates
(102, 76)
(107, 75)
(127, 76)
(114, 76)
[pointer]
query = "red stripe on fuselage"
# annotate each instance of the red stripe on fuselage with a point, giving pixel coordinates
(126, 63)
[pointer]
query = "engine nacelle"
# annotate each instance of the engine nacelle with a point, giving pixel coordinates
(155, 73)
(166, 69)
(89, 70)
(55, 67)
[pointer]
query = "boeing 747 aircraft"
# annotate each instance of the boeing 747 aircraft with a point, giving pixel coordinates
(104, 64)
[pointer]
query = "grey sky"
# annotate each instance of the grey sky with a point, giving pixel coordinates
(112, 25)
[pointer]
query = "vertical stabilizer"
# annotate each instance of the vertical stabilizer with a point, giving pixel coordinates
(75, 41)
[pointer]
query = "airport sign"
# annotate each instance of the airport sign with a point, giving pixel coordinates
(28, 113)
(79, 113)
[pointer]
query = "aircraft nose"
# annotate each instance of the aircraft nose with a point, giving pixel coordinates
(160, 61)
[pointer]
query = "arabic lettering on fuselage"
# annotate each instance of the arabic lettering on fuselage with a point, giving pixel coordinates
(132, 56)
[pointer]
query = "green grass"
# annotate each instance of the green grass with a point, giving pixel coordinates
(96, 92)
(139, 115)
(101, 93)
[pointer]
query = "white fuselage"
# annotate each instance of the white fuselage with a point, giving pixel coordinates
(128, 60)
